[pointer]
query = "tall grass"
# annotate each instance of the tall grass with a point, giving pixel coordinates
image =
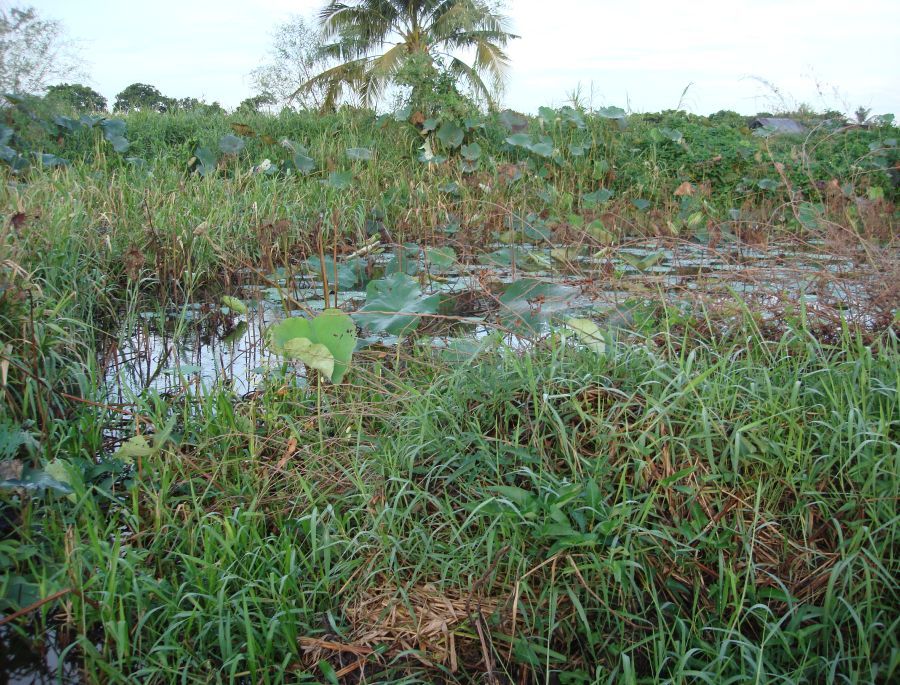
(721, 510)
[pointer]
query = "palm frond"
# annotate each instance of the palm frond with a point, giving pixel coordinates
(374, 37)
(462, 70)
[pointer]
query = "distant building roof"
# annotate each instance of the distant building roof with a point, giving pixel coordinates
(778, 125)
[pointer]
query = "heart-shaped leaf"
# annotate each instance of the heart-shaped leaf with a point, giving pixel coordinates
(520, 140)
(114, 132)
(471, 152)
(206, 161)
(230, 144)
(513, 121)
(440, 257)
(314, 355)
(332, 330)
(598, 197)
(348, 276)
(450, 135)
(360, 154)
(610, 113)
(339, 180)
(393, 305)
(234, 304)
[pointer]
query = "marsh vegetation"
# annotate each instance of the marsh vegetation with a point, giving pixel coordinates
(448, 396)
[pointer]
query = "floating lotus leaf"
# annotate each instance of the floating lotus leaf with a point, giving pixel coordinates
(234, 304)
(393, 305)
(440, 257)
(314, 355)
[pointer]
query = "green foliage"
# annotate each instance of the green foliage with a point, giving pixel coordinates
(256, 103)
(419, 33)
(142, 97)
(345, 276)
(230, 144)
(324, 343)
(686, 495)
(395, 305)
(76, 97)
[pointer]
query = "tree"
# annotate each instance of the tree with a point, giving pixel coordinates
(143, 98)
(257, 102)
(33, 52)
(76, 96)
(190, 104)
(293, 61)
(375, 39)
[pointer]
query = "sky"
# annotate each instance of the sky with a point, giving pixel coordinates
(644, 55)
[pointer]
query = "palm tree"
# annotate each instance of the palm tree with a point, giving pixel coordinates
(374, 39)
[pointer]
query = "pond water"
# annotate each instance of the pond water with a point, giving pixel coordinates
(203, 344)
(25, 662)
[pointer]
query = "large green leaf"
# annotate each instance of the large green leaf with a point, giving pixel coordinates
(513, 121)
(230, 144)
(520, 140)
(114, 132)
(311, 341)
(49, 160)
(641, 262)
(348, 275)
(113, 127)
(598, 197)
(360, 154)
(589, 333)
(404, 261)
(393, 305)
(542, 149)
(611, 113)
(234, 304)
(472, 152)
(450, 134)
(304, 163)
(339, 180)
(314, 355)
(36, 480)
(300, 156)
(440, 257)
(524, 259)
(205, 160)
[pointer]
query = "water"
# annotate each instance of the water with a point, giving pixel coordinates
(29, 662)
(203, 345)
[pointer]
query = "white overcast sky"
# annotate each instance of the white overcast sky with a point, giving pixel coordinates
(639, 54)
